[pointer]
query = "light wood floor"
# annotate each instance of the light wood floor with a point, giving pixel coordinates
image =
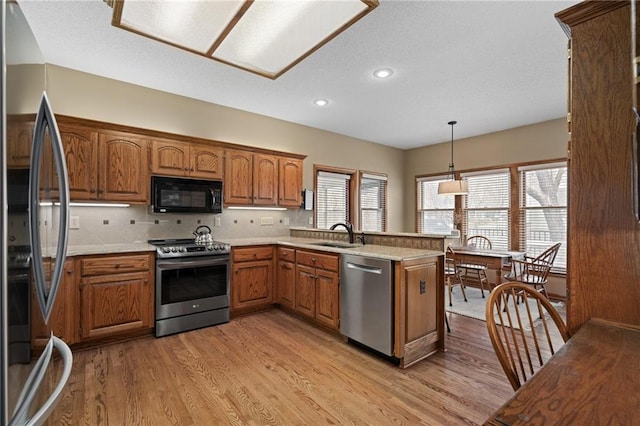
(272, 368)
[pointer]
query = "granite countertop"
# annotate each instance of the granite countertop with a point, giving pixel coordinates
(109, 249)
(382, 252)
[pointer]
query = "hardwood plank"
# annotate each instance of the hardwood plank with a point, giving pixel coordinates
(272, 368)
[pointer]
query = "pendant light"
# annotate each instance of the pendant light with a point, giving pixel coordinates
(453, 186)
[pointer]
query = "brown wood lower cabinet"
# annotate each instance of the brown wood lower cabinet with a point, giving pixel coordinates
(286, 278)
(305, 291)
(62, 319)
(252, 278)
(317, 287)
(419, 305)
(116, 294)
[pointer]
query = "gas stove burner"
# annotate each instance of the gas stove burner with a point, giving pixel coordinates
(18, 257)
(166, 248)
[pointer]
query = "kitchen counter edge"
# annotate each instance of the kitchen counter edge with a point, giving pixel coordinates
(370, 250)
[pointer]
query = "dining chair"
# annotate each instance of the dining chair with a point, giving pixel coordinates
(534, 271)
(524, 334)
(452, 274)
(477, 271)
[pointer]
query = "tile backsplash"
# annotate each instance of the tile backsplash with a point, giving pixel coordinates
(112, 225)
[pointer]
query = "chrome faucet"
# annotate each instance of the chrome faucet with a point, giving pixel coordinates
(348, 226)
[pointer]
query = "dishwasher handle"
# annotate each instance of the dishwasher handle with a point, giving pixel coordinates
(365, 268)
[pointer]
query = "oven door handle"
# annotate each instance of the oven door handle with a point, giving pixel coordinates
(181, 264)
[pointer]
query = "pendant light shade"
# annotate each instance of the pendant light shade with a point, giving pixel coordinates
(453, 186)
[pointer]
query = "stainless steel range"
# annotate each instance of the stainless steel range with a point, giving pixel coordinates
(192, 285)
(19, 303)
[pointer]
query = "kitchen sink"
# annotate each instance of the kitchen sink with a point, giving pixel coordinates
(336, 244)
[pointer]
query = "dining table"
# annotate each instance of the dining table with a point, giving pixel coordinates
(594, 379)
(492, 259)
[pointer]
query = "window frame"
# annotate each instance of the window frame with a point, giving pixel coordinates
(365, 175)
(353, 178)
(419, 226)
(507, 208)
(514, 221)
(522, 225)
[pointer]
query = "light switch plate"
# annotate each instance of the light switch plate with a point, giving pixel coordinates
(74, 222)
(266, 221)
(216, 222)
(286, 221)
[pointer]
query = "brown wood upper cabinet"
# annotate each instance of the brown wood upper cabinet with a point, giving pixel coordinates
(120, 159)
(261, 179)
(175, 158)
(290, 182)
(19, 138)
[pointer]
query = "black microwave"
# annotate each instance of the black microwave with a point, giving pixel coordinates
(177, 195)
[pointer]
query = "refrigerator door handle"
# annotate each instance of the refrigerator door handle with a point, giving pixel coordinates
(46, 124)
(20, 416)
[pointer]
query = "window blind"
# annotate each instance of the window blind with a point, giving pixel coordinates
(543, 211)
(435, 211)
(332, 198)
(373, 202)
(486, 209)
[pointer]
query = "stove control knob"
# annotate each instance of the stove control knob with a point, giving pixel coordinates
(166, 249)
(210, 247)
(173, 250)
(182, 249)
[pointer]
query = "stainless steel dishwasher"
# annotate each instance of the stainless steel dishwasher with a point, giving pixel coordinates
(366, 302)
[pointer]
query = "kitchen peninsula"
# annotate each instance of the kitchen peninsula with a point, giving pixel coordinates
(273, 272)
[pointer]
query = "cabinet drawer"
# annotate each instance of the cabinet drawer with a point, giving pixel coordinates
(287, 254)
(114, 264)
(317, 260)
(252, 253)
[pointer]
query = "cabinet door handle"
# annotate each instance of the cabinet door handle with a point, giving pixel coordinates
(70, 272)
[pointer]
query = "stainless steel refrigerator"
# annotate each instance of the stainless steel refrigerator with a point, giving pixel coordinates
(35, 208)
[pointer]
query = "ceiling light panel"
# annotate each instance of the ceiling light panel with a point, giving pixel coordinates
(266, 37)
(272, 35)
(191, 25)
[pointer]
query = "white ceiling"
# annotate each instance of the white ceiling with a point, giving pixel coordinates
(490, 65)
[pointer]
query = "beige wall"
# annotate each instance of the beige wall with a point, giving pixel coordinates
(536, 142)
(89, 96)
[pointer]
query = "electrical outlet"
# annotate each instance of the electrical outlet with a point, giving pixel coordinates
(286, 221)
(74, 222)
(217, 222)
(266, 221)
(310, 221)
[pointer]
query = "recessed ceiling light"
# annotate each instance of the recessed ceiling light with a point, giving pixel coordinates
(321, 102)
(383, 72)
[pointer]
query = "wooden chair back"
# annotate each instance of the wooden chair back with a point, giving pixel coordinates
(479, 242)
(534, 270)
(449, 261)
(525, 330)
